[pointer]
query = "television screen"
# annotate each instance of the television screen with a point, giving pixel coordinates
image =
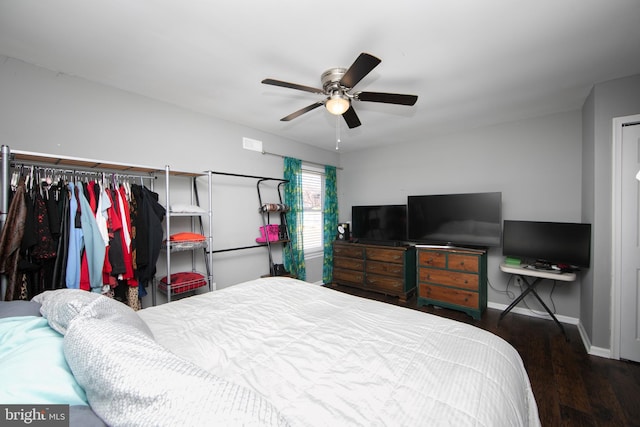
(470, 219)
(548, 242)
(380, 223)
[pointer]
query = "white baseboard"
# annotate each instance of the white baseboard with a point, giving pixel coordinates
(535, 313)
(594, 351)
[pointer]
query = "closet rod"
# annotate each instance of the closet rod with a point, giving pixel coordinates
(304, 161)
(82, 171)
(236, 249)
(248, 176)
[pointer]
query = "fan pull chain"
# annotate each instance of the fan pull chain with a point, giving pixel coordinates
(338, 132)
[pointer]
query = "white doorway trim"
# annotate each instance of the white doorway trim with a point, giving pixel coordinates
(616, 222)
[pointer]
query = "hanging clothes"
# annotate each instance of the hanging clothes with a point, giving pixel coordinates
(44, 247)
(148, 232)
(29, 238)
(58, 277)
(103, 204)
(94, 246)
(11, 240)
(125, 215)
(132, 293)
(72, 275)
(53, 211)
(74, 235)
(116, 251)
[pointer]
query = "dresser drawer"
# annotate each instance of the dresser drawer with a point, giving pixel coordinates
(449, 278)
(449, 295)
(455, 278)
(390, 270)
(461, 262)
(349, 263)
(348, 276)
(385, 283)
(432, 259)
(386, 255)
(348, 251)
(385, 268)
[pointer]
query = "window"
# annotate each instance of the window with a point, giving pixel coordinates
(313, 203)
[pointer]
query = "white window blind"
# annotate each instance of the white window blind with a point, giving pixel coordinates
(313, 201)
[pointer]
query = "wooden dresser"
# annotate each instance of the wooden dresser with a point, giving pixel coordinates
(454, 278)
(386, 269)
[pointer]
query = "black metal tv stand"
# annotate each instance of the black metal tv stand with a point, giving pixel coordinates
(526, 274)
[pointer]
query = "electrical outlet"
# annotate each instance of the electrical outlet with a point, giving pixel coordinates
(252, 144)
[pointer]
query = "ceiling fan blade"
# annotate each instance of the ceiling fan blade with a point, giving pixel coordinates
(388, 98)
(301, 111)
(351, 118)
(360, 68)
(292, 86)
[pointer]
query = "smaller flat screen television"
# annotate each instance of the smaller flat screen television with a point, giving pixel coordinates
(468, 219)
(379, 223)
(554, 243)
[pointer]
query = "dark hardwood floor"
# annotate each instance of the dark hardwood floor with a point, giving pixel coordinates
(572, 388)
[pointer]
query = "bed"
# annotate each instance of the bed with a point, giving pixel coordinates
(279, 351)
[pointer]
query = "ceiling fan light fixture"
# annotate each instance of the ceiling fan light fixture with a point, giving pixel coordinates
(337, 84)
(337, 104)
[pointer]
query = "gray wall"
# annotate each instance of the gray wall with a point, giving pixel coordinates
(608, 100)
(541, 165)
(47, 112)
(535, 163)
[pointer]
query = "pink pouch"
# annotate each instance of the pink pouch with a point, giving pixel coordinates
(272, 233)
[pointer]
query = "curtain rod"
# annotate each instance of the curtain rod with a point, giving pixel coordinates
(305, 161)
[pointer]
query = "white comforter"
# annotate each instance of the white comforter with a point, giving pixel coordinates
(325, 358)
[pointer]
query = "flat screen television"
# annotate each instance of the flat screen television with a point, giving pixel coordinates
(468, 219)
(548, 242)
(379, 223)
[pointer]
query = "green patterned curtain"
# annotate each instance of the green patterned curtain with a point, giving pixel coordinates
(293, 258)
(330, 215)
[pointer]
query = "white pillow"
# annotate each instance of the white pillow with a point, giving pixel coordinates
(61, 306)
(132, 380)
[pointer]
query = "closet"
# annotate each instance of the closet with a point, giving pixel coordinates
(160, 222)
(96, 226)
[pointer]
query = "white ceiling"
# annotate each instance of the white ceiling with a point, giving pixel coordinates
(471, 62)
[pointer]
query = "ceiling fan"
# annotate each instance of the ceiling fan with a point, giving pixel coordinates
(336, 86)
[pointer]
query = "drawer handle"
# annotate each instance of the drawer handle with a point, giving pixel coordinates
(461, 263)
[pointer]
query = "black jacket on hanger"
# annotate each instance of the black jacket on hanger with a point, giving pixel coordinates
(58, 279)
(147, 221)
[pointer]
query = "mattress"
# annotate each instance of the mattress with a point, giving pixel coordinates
(325, 358)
